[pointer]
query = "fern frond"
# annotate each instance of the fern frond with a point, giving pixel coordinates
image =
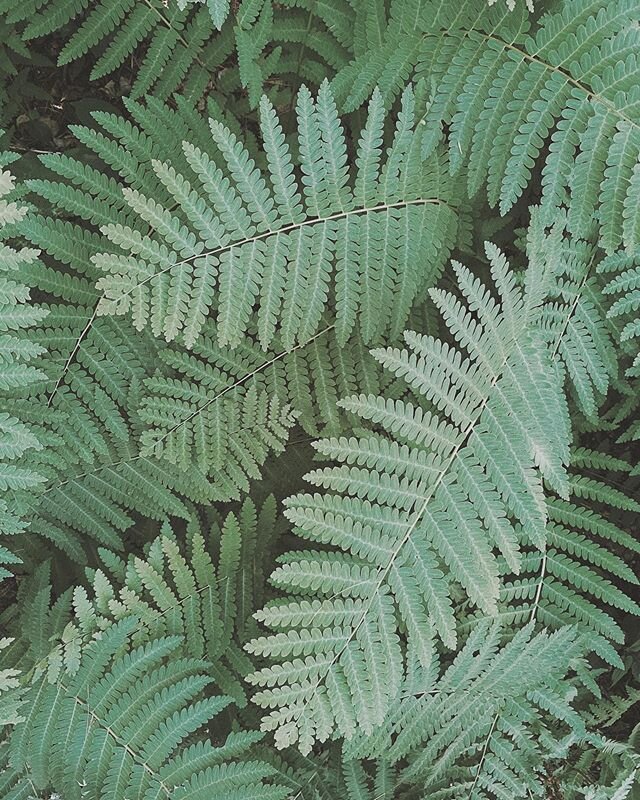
(482, 728)
(577, 580)
(558, 75)
(623, 289)
(120, 27)
(89, 394)
(18, 347)
(438, 488)
(120, 726)
(309, 379)
(504, 95)
(235, 243)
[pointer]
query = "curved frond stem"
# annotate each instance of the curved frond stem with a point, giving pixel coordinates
(574, 81)
(484, 754)
(285, 229)
(73, 354)
(536, 600)
(199, 410)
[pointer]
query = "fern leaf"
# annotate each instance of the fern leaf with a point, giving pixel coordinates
(401, 510)
(257, 222)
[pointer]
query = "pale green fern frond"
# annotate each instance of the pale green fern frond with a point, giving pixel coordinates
(18, 348)
(568, 89)
(203, 591)
(623, 290)
(238, 239)
(436, 487)
(574, 316)
(564, 76)
(484, 727)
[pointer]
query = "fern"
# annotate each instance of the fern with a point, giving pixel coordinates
(18, 347)
(581, 339)
(310, 379)
(16, 85)
(171, 35)
(440, 491)
(581, 571)
(253, 251)
(243, 238)
(485, 726)
(219, 9)
(85, 406)
(202, 592)
(127, 679)
(127, 712)
(623, 292)
(182, 44)
(80, 409)
(506, 94)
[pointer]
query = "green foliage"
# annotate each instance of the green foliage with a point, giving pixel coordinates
(320, 377)
(569, 88)
(17, 348)
(624, 291)
(118, 726)
(176, 39)
(243, 238)
(468, 732)
(450, 481)
(120, 674)
(183, 44)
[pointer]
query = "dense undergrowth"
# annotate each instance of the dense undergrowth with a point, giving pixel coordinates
(319, 328)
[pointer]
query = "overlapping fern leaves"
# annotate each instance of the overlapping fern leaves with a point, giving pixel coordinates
(443, 483)
(178, 41)
(184, 44)
(81, 409)
(468, 733)
(569, 88)
(286, 245)
(117, 727)
(118, 691)
(227, 269)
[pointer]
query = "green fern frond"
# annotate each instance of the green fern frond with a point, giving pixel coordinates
(234, 243)
(437, 489)
(623, 290)
(577, 327)
(309, 379)
(120, 726)
(576, 581)
(524, 86)
(170, 33)
(179, 591)
(124, 668)
(18, 347)
(483, 727)
(87, 403)
(505, 96)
